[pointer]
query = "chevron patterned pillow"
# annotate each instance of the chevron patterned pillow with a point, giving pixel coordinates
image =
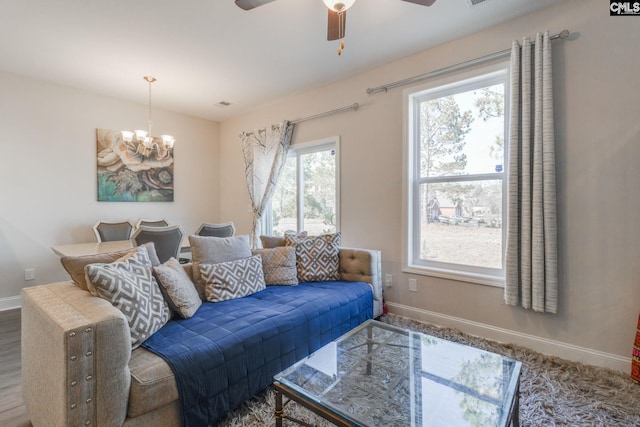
(317, 257)
(232, 279)
(213, 250)
(131, 288)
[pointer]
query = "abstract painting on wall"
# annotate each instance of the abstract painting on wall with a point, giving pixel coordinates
(132, 170)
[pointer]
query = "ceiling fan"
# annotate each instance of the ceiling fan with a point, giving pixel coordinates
(337, 14)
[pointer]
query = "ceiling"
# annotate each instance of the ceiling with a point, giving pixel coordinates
(206, 51)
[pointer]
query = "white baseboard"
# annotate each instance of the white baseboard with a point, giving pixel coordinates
(542, 345)
(10, 303)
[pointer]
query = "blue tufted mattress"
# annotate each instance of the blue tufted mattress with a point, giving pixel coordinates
(228, 351)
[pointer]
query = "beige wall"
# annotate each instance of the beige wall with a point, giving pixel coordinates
(48, 174)
(598, 151)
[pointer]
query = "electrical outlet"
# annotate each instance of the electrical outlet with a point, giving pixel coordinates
(388, 280)
(30, 274)
(413, 285)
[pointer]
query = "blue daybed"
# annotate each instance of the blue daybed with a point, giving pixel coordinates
(78, 367)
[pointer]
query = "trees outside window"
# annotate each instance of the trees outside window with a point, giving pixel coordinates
(455, 178)
(306, 196)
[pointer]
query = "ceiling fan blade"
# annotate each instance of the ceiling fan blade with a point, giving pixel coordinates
(422, 2)
(250, 4)
(336, 25)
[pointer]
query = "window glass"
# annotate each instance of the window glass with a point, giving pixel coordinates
(319, 192)
(462, 133)
(461, 223)
(306, 195)
(455, 178)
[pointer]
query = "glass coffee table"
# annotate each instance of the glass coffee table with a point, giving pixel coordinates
(382, 375)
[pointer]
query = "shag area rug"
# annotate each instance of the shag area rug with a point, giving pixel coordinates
(554, 391)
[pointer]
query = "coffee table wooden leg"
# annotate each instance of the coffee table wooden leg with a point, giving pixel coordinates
(278, 412)
(369, 347)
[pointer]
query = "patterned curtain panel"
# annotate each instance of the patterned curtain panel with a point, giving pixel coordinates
(265, 152)
(635, 356)
(531, 258)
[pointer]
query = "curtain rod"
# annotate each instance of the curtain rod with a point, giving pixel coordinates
(353, 106)
(492, 56)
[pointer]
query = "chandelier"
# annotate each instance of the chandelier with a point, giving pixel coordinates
(144, 143)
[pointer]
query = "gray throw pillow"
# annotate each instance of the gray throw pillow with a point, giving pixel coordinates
(178, 289)
(279, 265)
(317, 257)
(74, 265)
(269, 242)
(232, 279)
(214, 250)
(131, 288)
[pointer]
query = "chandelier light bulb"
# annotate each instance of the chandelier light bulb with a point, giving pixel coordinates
(127, 136)
(168, 140)
(141, 134)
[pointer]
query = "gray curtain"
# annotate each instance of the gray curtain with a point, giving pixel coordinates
(531, 254)
(265, 152)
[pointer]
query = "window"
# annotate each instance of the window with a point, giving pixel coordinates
(455, 178)
(306, 196)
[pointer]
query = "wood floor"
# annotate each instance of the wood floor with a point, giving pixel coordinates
(13, 413)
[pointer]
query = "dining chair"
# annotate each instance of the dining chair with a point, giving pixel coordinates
(111, 231)
(167, 240)
(152, 222)
(226, 229)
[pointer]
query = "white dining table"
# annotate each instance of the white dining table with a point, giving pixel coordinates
(92, 248)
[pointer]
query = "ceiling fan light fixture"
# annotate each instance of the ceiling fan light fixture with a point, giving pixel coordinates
(339, 5)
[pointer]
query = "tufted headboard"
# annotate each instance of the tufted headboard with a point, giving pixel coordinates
(363, 265)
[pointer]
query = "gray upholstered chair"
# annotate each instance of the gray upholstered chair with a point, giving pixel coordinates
(152, 223)
(226, 229)
(110, 231)
(167, 240)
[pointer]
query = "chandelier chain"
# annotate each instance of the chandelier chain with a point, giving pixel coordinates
(150, 80)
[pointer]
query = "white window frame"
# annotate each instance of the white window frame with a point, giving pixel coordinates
(450, 84)
(297, 150)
